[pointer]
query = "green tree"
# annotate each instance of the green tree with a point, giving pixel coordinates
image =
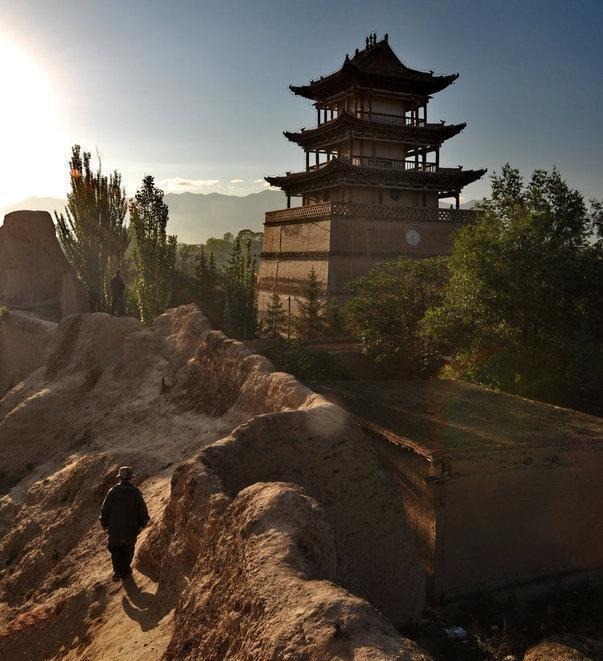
(92, 230)
(389, 302)
(221, 248)
(207, 279)
(521, 311)
(273, 320)
(335, 323)
(239, 285)
(309, 322)
(186, 256)
(154, 252)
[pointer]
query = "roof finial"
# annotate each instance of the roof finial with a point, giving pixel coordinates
(385, 37)
(366, 42)
(374, 38)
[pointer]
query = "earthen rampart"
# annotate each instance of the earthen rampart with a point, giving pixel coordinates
(23, 342)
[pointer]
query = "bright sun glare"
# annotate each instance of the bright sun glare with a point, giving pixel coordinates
(31, 136)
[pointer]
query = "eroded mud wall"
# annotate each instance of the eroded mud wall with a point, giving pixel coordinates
(272, 541)
(304, 440)
(264, 586)
(23, 342)
(34, 273)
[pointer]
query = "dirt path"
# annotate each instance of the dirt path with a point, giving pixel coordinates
(129, 626)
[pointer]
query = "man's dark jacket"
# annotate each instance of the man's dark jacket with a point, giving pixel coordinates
(124, 513)
(118, 287)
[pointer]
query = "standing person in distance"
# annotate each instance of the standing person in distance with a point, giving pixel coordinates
(118, 295)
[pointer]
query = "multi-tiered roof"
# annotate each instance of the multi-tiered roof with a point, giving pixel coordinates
(375, 71)
(376, 67)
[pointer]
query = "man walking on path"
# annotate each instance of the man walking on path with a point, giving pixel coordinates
(123, 515)
(118, 295)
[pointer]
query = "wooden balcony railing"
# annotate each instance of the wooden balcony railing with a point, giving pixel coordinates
(385, 118)
(404, 214)
(392, 163)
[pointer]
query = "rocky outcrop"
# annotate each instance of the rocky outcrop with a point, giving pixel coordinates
(279, 537)
(34, 274)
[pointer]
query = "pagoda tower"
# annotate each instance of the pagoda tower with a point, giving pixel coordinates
(372, 183)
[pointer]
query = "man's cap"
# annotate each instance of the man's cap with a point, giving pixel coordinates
(125, 473)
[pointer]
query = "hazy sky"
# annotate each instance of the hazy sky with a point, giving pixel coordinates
(198, 90)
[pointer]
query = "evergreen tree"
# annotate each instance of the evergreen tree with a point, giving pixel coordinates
(206, 276)
(310, 320)
(92, 229)
(274, 317)
(154, 251)
(239, 283)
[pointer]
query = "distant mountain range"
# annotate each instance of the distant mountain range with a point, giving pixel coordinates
(194, 217)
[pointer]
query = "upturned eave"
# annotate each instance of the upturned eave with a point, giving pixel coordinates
(428, 134)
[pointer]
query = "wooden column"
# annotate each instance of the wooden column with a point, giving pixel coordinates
(317, 159)
(437, 158)
(288, 201)
(307, 160)
(457, 198)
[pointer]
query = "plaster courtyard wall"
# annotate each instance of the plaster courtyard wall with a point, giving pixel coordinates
(501, 492)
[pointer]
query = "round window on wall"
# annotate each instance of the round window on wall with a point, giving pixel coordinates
(413, 237)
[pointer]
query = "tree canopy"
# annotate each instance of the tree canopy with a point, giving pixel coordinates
(92, 229)
(389, 302)
(521, 310)
(154, 251)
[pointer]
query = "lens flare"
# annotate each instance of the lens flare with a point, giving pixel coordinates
(32, 142)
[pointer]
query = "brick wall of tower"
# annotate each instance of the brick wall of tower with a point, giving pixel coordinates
(289, 252)
(341, 249)
(360, 244)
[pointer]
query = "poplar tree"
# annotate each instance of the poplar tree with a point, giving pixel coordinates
(92, 229)
(154, 251)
